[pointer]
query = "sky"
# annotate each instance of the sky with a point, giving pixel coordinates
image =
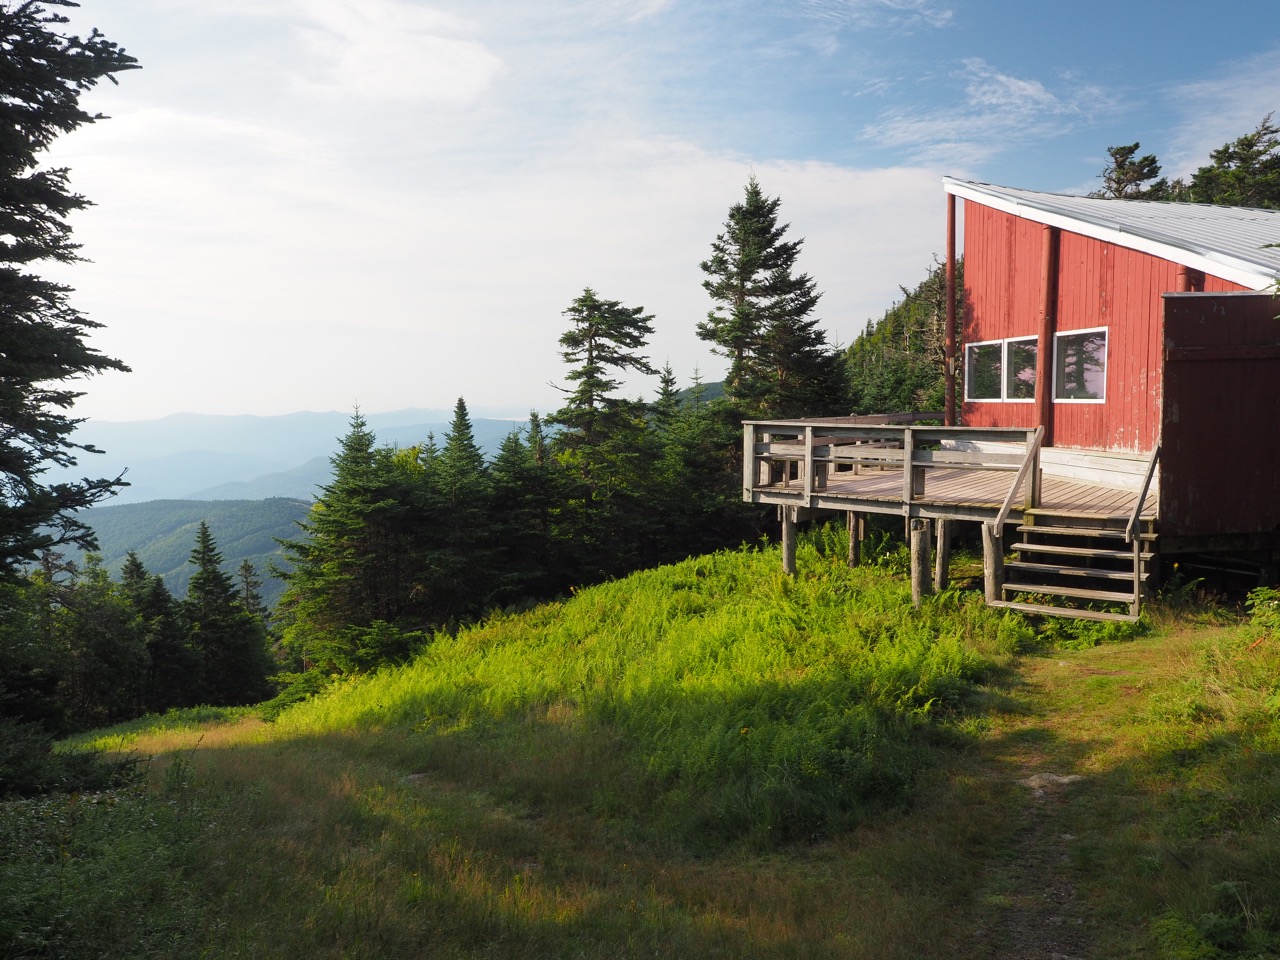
(319, 204)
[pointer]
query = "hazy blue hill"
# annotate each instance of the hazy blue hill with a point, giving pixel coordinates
(163, 532)
(206, 457)
(300, 483)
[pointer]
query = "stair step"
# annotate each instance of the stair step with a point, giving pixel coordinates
(1115, 518)
(1071, 612)
(1025, 547)
(1051, 570)
(1078, 593)
(1113, 532)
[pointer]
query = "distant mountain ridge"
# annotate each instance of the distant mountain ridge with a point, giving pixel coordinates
(188, 456)
(163, 533)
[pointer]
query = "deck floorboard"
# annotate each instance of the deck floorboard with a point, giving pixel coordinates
(976, 490)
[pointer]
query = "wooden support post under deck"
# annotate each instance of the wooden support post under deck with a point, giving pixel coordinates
(992, 562)
(942, 562)
(788, 540)
(921, 549)
(857, 525)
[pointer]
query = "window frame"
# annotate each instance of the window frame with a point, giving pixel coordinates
(968, 380)
(1106, 363)
(1004, 378)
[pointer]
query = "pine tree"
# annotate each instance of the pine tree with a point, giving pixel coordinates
(603, 340)
(45, 73)
(176, 674)
(360, 562)
(1130, 177)
(526, 494)
(461, 551)
(249, 586)
(231, 642)
(699, 489)
(107, 662)
(606, 446)
(779, 362)
(898, 363)
(1244, 172)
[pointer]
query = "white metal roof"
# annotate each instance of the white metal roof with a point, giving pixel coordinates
(1227, 242)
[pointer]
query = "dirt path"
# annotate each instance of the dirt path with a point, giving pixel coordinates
(1041, 759)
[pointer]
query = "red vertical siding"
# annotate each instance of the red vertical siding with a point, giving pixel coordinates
(1099, 285)
(1219, 469)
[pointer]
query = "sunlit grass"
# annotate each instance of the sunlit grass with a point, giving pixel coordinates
(576, 782)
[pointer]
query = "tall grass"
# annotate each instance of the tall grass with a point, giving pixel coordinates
(736, 702)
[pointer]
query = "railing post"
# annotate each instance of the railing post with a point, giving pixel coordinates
(808, 464)
(908, 478)
(1031, 492)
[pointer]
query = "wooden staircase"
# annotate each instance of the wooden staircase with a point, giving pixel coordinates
(1071, 565)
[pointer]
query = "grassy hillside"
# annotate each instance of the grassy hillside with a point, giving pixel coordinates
(705, 760)
(163, 533)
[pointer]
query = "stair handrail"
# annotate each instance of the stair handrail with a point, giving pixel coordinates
(1033, 454)
(1136, 517)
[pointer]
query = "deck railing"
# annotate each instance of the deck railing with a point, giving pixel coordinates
(800, 456)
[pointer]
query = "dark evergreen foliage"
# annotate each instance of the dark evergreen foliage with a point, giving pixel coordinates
(42, 345)
(1242, 173)
(605, 445)
(358, 562)
(780, 364)
(175, 673)
(898, 363)
(1130, 177)
(231, 642)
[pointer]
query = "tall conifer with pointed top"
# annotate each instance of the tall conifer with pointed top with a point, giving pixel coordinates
(42, 337)
(780, 364)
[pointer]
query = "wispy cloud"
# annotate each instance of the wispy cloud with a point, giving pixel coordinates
(1220, 109)
(909, 13)
(393, 50)
(999, 112)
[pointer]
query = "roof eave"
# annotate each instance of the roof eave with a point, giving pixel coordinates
(1254, 276)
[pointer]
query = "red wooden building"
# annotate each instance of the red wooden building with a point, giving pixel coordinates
(1116, 388)
(1120, 325)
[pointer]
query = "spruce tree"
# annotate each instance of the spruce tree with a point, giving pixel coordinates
(460, 550)
(780, 364)
(175, 676)
(1130, 177)
(1244, 172)
(230, 641)
(898, 363)
(526, 494)
(360, 561)
(606, 446)
(44, 74)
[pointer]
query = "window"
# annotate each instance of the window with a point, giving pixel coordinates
(1001, 370)
(1080, 366)
(982, 370)
(1020, 369)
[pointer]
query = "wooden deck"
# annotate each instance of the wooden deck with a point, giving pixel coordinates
(838, 465)
(954, 493)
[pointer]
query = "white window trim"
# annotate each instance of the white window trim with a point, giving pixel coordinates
(1004, 369)
(1004, 373)
(1106, 368)
(968, 380)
